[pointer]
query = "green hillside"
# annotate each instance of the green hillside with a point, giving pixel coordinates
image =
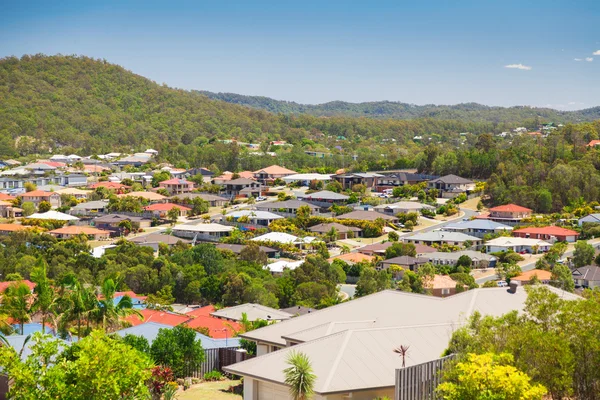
(389, 109)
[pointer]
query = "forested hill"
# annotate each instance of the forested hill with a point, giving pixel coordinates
(389, 109)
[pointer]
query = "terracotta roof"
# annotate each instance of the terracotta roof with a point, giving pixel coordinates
(55, 164)
(227, 176)
(441, 282)
(542, 275)
(593, 143)
(548, 230)
(145, 195)
(423, 248)
(353, 257)
(5, 285)
(109, 185)
(39, 193)
(176, 181)
(4, 196)
(511, 208)
(165, 207)
(275, 170)
(218, 328)
(161, 317)
(12, 227)
(77, 230)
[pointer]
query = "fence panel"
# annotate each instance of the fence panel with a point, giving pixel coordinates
(418, 382)
(216, 359)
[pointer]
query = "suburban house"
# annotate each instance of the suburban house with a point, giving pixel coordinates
(306, 179)
(74, 192)
(285, 238)
(324, 198)
(525, 277)
(154, 240)
(253, 312)
(368, 216)
(53, 215)
(479, 259)
(254, 217)
(352, 258)
(516, 244)
(7, 210)
(228, 176)
(237, 249)
(278, 267)
(335, 338)
(37, 196)
(269, 174)
(348, 180)
(441, 237)
(161, 210)
(112, 186)
(177, 186)
(343, 231)
(451, 185)
(202, 232)
(150, 197)
(217, 328)
(7, 229)
(207, 175)
(390, 181)
(378, 249)
(188, 198)
(591, 219)
(110, 222)
(406, 262)
(5, 285)
(509, 214)
(441, 286)
(404, 207)
(550, 234)
(477, 227)
(71, 231)
(287, 208)
(587, 277)
(242, 187)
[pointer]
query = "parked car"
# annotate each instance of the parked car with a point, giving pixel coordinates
(261, 198)
(501, 283)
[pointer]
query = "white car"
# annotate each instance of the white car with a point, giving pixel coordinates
(501, 283)
(261, 198)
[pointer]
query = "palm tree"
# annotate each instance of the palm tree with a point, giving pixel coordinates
(332, 235)
(299, 376)
(16, 303)
(108, 312)
(79, 303)
(46, 299)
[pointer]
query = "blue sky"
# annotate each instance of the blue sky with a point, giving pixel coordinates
(421, 52)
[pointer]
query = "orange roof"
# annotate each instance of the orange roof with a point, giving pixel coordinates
(76, 230)
(109, 185)
(542, 275)
(353, 257)
(5, 285)
(593, 143)
(161, 317)
(165, 207)
(275, 170)
(511, 208)
(218, 328)
(39, 193)
(534, 133)
(548, 230)
(6, 197)
(12, 227)
(227, 176)
(54, 164)
(441, 282)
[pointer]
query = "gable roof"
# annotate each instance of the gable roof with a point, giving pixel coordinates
(241, 181)
(210, 227)
(326, 227)
(158, 238)
(366, 216)
(176, 181)
(478, 224)
(218, 328)
(547, 230)
(165, 207)
(252, 311)
(39, 193)
(405, 260)
(526, 276)
(440, 282)
(516, 241)
(285, 204)
(326, 195)
(275, 170)
(13, 227)
(352, 257)
(588, 273)
(438, 236)
(53, 215)
(452, 179)
(161, 317)
(510, 208)
(78, 230)
(6, 197)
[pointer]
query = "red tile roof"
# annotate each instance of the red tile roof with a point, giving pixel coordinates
(12, 227)
(218, 328)
(548, 230)
(5, 285)
(54, 164)
(275, 170)
(39, 193)
(353, 257)
(593, 143)
(511, 208)
(161, 317)
(77, 230)
(6, 197)
(165, 207)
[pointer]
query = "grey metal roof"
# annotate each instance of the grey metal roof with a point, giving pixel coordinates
(203, 196)
(588, 273)
(158, 238)
(442, 236)
(326, 195)
(486, 224)
(365, 215)
(324, 228)
(454, 256)
(285, 204)
(252, 311)
(405, 260)
(452, 179)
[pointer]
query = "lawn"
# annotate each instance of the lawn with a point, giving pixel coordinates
(219, 390)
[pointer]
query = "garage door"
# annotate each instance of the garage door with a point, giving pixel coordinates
(271, 391)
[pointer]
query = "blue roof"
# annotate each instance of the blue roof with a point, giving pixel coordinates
(17, 342)
(149, 330)
(138, 304)
(478, 224)
(30, 328)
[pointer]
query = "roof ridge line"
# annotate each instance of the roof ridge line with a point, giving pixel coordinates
(337, 360)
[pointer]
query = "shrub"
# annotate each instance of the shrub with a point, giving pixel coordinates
(213, 375)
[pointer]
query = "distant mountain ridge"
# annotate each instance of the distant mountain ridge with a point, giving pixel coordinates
(397, 110)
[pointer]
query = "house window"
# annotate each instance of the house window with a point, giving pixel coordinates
(445, 291)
